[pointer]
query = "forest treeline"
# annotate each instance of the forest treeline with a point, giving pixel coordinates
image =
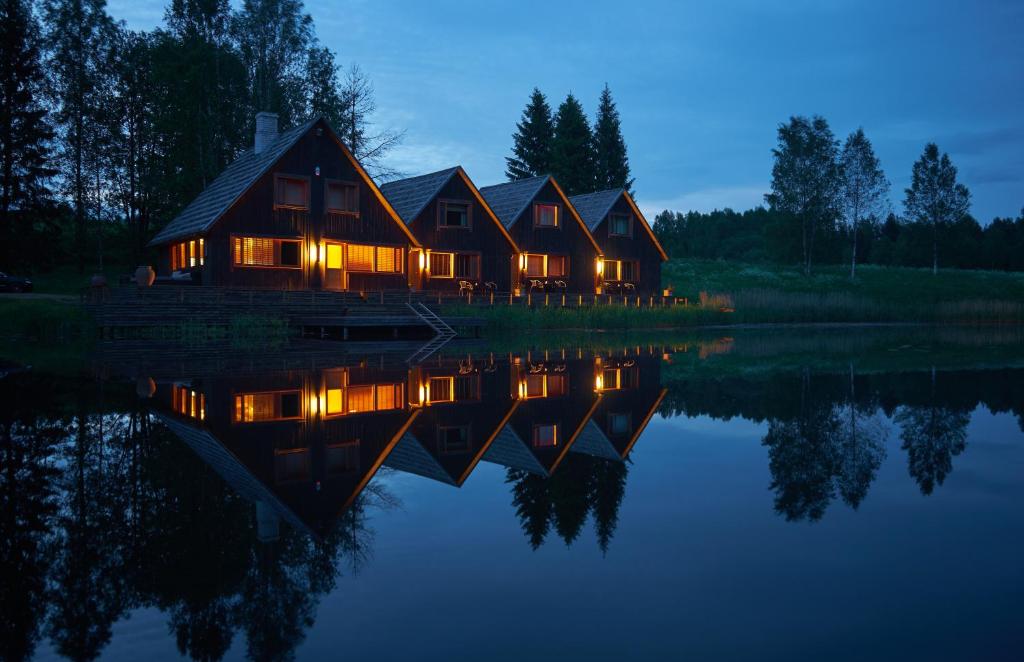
(830, 204)
(107, 132)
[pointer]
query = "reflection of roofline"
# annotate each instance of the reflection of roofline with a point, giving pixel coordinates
(368, 476)
(218, 451)
(643, 425)
(490, 440)
(575, 434)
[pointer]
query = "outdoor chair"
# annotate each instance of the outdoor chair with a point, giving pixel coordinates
(465, 287)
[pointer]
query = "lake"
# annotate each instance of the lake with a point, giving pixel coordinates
(789, 494)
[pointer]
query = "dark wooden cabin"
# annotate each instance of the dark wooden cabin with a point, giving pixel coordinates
(465, 246)
(557, 251)
(297, 211)
(632, 254)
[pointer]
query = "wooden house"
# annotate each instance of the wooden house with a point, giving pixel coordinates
(632, 254)
(557, 251)
(296, 211)
(465, 247)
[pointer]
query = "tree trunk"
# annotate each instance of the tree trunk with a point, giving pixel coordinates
(853, 256)
(935, 248)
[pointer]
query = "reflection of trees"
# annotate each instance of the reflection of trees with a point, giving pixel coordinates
(828, 447)
(102, 511)
(583, 485)
(932, 435)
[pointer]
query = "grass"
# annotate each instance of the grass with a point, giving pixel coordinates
(737, 293)
(67, 280)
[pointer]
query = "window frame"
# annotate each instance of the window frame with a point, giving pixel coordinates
(278, 178)
(238, 415)
(546, 268)
(399, 253)
(558, 215)
(451, 265)
(629, 225)
(442, 209)
(442, 446)
(475, 260)
(554, 435)
(277, 241)
(188, 254)
(328, 183)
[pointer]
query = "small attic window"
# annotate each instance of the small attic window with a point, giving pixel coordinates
(291, 192)
(342, 197)
(620, 225)
(546, 216)
(453, 214)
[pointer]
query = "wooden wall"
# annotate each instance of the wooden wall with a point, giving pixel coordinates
(639, 247)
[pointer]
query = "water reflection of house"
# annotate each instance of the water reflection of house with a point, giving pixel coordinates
(302, 444)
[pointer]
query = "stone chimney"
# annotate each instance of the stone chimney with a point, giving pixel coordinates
(266, 131)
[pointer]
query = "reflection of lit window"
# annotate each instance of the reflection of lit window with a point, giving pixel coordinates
(271, 406)
(535, 266)
(362, 398)
(188, 402)
(557, 385)
(545, 386)
(536, 386)
(291, 465)
(453, 439)
(441, 389)
(545, 436)
(620, 423)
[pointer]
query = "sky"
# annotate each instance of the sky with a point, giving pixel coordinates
(701, 87)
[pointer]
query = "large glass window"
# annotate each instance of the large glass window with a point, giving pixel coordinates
(267, 252)
(270, 406)
(441, 265)
(188, 254)
(380, 259)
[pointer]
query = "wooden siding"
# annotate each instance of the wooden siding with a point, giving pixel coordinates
(637, 247)
(483, 238)
(568, 239)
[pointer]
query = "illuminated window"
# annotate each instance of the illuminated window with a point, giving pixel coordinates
(291, 192)
(342, 197)
(621, 270)
(557, 385)
(189, 402)
(381, 259)
(545, 216)
(389, 260)
(441, 265)
(545, 436)
(453, 439)
(335, 401)
(333, 256)
(467, 266)
(453, 214)
(360, 258)
(270, 406)
(620, 225)
(441, 389)
(292, 465)
(536, 386)
(188, 254)
(558, 266)
(535, 266)
(267, 252)
(619, 424)
(360, 399)
(363, 398)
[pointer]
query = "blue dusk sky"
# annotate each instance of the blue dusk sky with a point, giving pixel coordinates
(701, 86)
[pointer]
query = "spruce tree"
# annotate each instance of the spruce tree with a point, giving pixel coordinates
(24, 130)
(572, 152)
(611, 164)
(531, 143)
(934, 197)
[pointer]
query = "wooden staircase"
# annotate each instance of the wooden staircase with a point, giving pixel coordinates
(443, 333)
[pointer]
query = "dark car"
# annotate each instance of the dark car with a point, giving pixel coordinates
(14, 283)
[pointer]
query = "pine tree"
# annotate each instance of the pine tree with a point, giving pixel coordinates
(611, 163)
(864, 187)
(934, 197)
(572, 151)
(24, 130)
(531, 143)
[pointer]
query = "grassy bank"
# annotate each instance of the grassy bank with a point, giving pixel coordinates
(757, 294)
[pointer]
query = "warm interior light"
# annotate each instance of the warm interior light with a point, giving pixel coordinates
(321, 251)
(312, 253)
(522, 260)
(600, 266)
(314, 405)
(599, 382)
(423, 394)
(423, 260)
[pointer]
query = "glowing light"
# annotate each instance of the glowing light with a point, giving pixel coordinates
(522, 261)
(314, 405)
(600, 266)
(312, 253)
(321, 251)
(423, 260)
(598, 382)
(423, 394)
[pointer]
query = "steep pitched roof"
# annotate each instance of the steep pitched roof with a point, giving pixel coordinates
(208, 207)
(410, 196)
(510, 199)
(200, 215)
(594, 207)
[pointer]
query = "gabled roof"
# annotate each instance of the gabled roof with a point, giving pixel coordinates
(217, 198)
(410, 196)
(594, 207)
(509, 201)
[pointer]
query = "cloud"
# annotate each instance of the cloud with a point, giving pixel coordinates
(705, 200)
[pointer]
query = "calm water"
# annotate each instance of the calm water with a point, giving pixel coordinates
(786, 496)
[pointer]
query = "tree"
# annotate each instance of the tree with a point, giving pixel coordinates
(934, 197)
(531, 143)
(25, 132)
(354, 124)
(864, 187)
(932, 435)
(805, 178)
(572, 149)
(77, 35)
(611, 164)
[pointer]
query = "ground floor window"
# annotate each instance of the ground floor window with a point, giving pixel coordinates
(374, 259)
(363, 398)
(546, 266)
(267, 252)
(622, 270)
(544, 386)
(188, 254)
(268, 406)
(189, 402)
(454, 265)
